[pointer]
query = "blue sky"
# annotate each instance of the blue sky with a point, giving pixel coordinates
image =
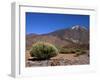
(41, 23)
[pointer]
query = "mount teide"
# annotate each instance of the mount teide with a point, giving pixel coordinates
(76, 34)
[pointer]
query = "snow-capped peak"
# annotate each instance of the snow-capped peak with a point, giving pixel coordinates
(78, 27)
(75, 27)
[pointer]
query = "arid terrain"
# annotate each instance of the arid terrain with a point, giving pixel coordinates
(72, 43)
(60, 60)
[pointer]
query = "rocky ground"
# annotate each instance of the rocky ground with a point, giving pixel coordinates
(59, 60)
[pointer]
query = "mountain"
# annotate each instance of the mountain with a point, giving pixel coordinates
(76, 34)
(68, 37)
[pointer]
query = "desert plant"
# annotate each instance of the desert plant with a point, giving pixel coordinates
(78, 50)
(64, 50)
(43, 50)
(67, 50)
(80, 53)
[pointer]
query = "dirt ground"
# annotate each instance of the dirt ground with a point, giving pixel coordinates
(59, 60)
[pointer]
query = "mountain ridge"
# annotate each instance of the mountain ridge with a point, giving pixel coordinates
(65, 37)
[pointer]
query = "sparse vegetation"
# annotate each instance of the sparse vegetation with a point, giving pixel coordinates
(80, 53)
(64, 50)
(76, 51)
(43, 50)
(67, 50)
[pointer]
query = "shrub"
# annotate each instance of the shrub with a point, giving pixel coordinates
(67, 50)
(78, 50)
(80, 53)
(64, 50)
(43, 50)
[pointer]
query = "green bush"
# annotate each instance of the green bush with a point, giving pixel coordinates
(80, 53)
(78, 50)
(64, 50)
(43, 50)
(67, 50)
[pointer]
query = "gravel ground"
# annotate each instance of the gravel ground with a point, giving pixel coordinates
(60, 60)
